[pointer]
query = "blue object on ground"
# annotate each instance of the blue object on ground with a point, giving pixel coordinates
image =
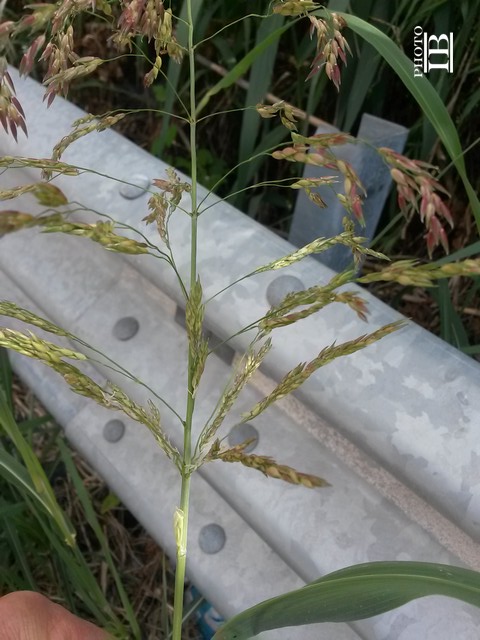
(208, 619)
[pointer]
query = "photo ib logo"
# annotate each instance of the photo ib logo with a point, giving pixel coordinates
(431, 52)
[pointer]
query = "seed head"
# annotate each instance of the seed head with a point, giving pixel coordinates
(414, 181)
(331, 45)
(12, 115)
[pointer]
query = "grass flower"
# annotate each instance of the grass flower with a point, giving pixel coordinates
(12, 115)
(331, 46)
(415, 184)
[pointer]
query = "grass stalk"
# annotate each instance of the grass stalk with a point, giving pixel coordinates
(187, 435)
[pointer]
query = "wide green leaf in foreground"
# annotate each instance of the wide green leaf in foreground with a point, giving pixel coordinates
(355, 593)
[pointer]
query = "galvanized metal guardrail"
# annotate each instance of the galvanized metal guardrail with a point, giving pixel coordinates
(393, 428)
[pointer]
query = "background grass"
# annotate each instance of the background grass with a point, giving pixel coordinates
(114, 574)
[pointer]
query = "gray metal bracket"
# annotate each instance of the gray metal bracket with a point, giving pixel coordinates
(310, 222)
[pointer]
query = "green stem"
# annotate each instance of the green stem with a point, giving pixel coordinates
(187, 434)
(181, 559)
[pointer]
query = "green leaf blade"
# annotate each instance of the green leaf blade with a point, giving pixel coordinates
(355, 593)
(39, 482)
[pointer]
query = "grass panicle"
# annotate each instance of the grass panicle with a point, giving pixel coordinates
(265, 464)
(411, 273)
(246, 368)
(346, 238)
(299, 374)
(151, 32)
(34, 347)
(112, 397)
(84, 126)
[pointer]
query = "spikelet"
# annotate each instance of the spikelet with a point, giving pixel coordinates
(46, 194)
(114, 398)
(34, 347)
(83, 127)
(11, 310)
(299, 374)
(194, 315)
(283, 109)
(294, 7)
(324, 298)
(318, 294)
(346, 238)
(162, 205)
(267, 465)
(319, 154)
(245, 370)
(101, 232)
(54, 356)
(14, 220)
(45, 164)
(411, 273)
(415, 182)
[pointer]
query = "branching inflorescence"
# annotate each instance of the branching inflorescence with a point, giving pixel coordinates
(50, 28)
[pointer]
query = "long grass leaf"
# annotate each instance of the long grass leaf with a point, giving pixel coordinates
(33, 423)
(82, 584)
(355, 593)
(360, 86)
(465, 252)
(473, 350)
(274, 137)
(37, 475)
(358, 75)
(451, 326)
(6, 377)
(93, 522)
(13, 472)
(11, 511)
(22, 559)
(338, 5)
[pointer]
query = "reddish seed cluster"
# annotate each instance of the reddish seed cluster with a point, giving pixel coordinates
(331, 45)
(317, 152)
(150, 19)
(129, 21)
(63, 63)
(51, 26)
(352, 184)
(415, 184)
(59, 57)
(11, 112)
